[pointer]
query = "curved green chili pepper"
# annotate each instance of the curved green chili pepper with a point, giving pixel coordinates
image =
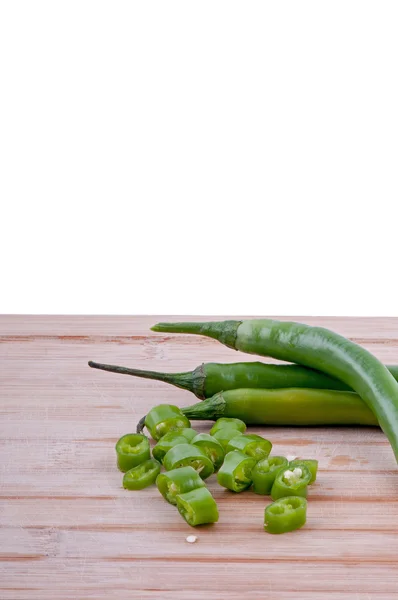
(131, 450)
(310, 463)
(225, 435)
(187, 455)
(210, 378)
(141, 476)
(313, 347)
(235, 473)
(171, 439)
(212, 447)
(197, 507)
(292, 406)
(264, 473)
(229, 423)
(251, 444)
(291, 482)
(164, 418)
(178, 481)
(286, 514)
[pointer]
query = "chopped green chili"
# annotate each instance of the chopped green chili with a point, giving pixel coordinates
(230, 423)
(291, 482)
(264, 473)
(171, 439)
(187, 455)
(211, 447)
(251, 444)
(131, 450)
(164, 418)
(225, 435)
(286, 514)
(198, 507)
(235, 473)
(310, 463)
(142, 476)
(178, 481)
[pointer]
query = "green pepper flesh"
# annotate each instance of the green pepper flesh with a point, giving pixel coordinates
(264, 473)
(235, 473)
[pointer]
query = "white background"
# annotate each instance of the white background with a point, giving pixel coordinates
(201, 157)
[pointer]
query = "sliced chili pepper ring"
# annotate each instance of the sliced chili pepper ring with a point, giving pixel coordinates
(235, 473)
(212, 447)
(187, 455)
(251, 444)
(264, 473)
(132, 449)
(286, 514)
(178, 481)
(198, 507)
(142, 476)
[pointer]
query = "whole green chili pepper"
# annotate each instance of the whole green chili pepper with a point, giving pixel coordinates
(131, 450)
(187, 455)
(251, 444)
(286, 514)
(313, 347)
(228, 423)
(212, 447)
(310, 463)
(197, 507)
(292, 406)
(171, 439)
(178, 481)
(225, 435)
(141, 476)
(235, 473)
(291, 482)
(164, 418)
(264, 473)
(210, 378)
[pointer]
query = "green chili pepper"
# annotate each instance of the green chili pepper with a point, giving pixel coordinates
(164, 418)
(171, 439)
(187, 455)
(264, 473)
(178, 481)
(310, 463)
(236, 470)
(225, 435)
(253, 445)
(286, 514)
(131, 450)
(313, 347)
(211, 378)
(198, 507)
(228, 423)
(142, 476)
(291, 482)
(211, 447)
(295, 406)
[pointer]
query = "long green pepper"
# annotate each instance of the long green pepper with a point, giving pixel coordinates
(210, 378)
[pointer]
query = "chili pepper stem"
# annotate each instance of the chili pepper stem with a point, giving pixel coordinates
(192, 381)
(224, 331)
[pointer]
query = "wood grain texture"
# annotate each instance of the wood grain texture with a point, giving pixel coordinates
(69, 530)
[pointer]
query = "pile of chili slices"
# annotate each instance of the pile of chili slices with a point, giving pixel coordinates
(241, 461)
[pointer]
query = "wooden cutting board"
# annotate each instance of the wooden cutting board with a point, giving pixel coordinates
(69, 530)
